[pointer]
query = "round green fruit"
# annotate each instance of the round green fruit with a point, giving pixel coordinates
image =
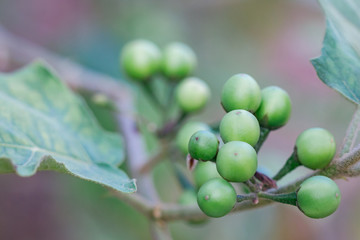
(140, 59)
(315, 148)
(186, 131)
(241, 91)
(178, 61)
(236, 161)
(216, 198)
(192, 94)
(240, 125)
(203, 145)
(205, 171)
(275, 108)
(318, 197)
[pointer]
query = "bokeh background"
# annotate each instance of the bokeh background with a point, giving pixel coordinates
(271, 40)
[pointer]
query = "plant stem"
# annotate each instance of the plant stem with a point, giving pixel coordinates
(264, 133)
(286, 198)
(351, 133)
(290, 165)
(171, 126)
(147, 88)
(245, 197)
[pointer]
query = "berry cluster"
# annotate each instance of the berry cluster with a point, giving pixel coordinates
(226, 154)
(251, 114)
(143, 61)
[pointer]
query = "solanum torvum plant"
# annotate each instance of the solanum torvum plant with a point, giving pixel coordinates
(225, 155)
(215, 162)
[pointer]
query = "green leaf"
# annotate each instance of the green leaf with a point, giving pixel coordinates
(45, 126)
(339, 65)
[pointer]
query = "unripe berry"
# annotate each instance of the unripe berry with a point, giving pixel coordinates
(184, 134)
(275, 108)
(240, 125)
(318, 197)
(216, 197)
(241, 91)
(205, 171)
(178, 61)
(315, 148)
(140, 59)
(236, 161)
(203, 145)
(192, 94)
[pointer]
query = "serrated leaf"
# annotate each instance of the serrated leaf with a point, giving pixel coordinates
(339, 65)
(43, 125)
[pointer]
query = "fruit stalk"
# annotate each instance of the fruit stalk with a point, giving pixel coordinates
(264, 133)
(290, 165)
(286, 198)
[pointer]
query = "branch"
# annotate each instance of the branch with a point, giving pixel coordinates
(351, 133)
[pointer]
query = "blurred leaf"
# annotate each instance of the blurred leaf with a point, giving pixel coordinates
(43, 125)
(339, 65)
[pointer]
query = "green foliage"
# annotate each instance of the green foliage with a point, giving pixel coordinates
(45, 126)
(339, 65)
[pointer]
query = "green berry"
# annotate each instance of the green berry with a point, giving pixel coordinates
(236, 161)
(318, 197)
(178, 61)
(141, 59)
(203, 145)
(240, 125)
(216, 197)
(241, 91)
(315, 148)
(186, 131)
(192, 94)
(205, 171)
(275, 108)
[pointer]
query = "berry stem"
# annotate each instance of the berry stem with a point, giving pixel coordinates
(286, 198)
(290, 165)
(147, 88)
(244, 197)
(172, 125)
(264, 133)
